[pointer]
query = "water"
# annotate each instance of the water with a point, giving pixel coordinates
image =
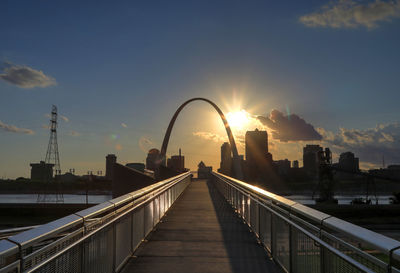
(68, 198)
(342, 199)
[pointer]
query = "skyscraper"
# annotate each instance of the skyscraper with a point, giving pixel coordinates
(256, 146)
(111, 159)
(226, 159)
(311, 159)
(348, 162)
(258, 159)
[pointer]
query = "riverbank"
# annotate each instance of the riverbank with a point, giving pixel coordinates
(20, 215)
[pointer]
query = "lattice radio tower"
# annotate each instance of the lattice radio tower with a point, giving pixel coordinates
(53, 157)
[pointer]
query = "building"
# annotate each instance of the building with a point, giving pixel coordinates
(111, 159)
(42, 171)
(203, 171)
(153, 159)
(348, 162)
(256, 146)
(258, 159)
(295, 164)
(67, 177)
(391, 172)
(137, 166)
(311, 159)
(282, 166)
(226, 159)
(177, 162)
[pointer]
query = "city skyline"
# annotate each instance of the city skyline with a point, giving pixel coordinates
(116, 77)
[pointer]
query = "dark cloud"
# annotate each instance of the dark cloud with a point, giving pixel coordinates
(289, 127)
(25, 77)
(15, 129)
(370, 145)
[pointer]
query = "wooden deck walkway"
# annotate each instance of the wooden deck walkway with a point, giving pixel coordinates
(200, 233)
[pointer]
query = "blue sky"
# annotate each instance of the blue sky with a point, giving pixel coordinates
(133, 62)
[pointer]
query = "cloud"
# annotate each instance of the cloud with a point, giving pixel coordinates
(289, 127)
(124, 125)
(370, 145)
(74, 133)
(44, 126)
(352, 14)
(25, 76)
(14, 129)
(210, 136)
(64, 118)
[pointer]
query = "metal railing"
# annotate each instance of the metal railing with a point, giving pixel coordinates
(98, 239)
(301, 239)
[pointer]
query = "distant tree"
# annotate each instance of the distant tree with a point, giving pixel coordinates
(396, 198)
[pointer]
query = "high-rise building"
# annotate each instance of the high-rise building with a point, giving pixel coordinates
(177, 162)
(258, 159)
(295, 164)
(283, 166)
(111, 159)
(348, 162)
(312, 159)
(256, 146)
(153, 159)
(226, 159)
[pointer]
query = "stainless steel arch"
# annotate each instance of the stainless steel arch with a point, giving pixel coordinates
(236, 161)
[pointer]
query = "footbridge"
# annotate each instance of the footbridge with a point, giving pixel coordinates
(189, 225)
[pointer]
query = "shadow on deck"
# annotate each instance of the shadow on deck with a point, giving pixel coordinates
(201, 233)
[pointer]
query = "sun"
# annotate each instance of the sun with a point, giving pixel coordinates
(238, 119)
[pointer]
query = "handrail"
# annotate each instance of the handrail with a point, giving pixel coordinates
(386, 245)
(20, 245)
(379, 241)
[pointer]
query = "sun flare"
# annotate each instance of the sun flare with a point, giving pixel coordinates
(238, 119)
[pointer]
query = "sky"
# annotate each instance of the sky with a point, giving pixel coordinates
(321, 72)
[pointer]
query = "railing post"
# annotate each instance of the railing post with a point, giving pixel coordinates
(291, 250)
(132, 236)
(114, 246)
(272, 236)
(322, 254)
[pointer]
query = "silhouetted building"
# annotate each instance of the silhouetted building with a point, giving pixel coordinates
(203, 171)
(311, 159)
(111, 159)
(295, 164)
(348, 162)
(391, 172)
(67, 177)
(226, 159)
(283, 166)
(41, 171)
(177, 162)
(256, 146)
(126, 180)
(137, 166)
(153, 159)
(258, 159)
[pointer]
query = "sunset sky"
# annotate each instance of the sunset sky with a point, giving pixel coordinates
(322, 72)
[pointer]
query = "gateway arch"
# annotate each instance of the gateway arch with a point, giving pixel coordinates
(237, 168)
